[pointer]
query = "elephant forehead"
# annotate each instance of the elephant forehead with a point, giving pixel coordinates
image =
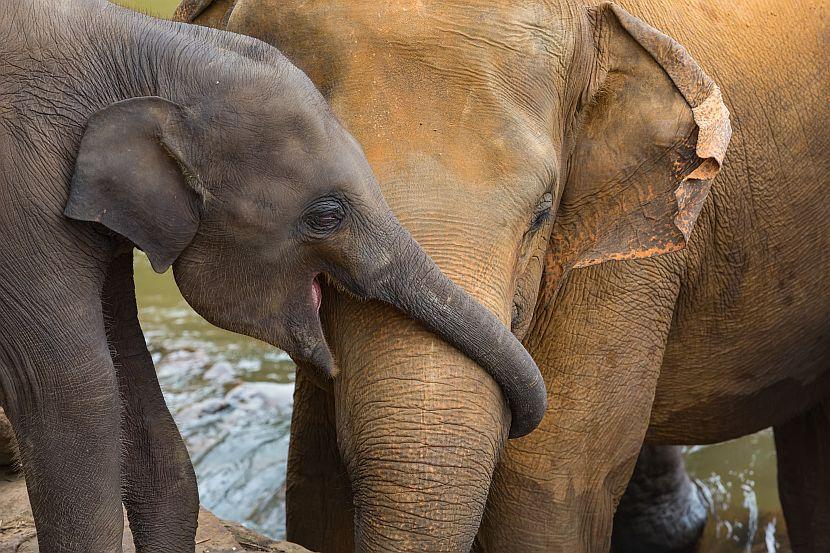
(424, 185)
(340, 27)
(423, 62)
(473, 230)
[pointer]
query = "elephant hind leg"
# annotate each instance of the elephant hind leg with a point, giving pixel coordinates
(159, 485)
(803, 449)
(662, 510)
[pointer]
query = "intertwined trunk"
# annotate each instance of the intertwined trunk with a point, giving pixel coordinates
(420, 426)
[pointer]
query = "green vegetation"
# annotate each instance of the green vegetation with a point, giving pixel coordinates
(159, 8)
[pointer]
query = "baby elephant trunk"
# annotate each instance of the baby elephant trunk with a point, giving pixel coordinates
(415, 285)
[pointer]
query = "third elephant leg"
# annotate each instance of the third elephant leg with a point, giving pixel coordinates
(159, 486)
(599, 344)
(663, 510)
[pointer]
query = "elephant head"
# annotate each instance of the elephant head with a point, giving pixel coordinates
(256, 195)
(516, 142)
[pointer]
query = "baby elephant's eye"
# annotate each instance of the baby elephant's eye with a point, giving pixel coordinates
(323, 217)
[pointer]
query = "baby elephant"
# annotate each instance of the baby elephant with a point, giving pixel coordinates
(213, 154)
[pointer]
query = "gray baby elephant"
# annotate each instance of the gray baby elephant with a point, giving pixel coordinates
(213, 154)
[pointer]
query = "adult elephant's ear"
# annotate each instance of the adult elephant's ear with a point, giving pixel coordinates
(651, 134)
(131, 177)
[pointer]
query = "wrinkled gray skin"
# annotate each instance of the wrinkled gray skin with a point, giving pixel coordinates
(215, 155)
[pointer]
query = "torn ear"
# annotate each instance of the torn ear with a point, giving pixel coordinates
(652, 134)
(131, 177)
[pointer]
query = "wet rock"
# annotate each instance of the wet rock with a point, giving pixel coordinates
(221, 373)
(238, 442)
(17, 529)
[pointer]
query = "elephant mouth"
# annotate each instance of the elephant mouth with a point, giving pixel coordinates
(300, 331)
(316, 293)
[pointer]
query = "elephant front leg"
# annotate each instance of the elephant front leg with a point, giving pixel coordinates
(318, 497)
(159, 485)
(662, 510)
(61, 396)
(599, 344)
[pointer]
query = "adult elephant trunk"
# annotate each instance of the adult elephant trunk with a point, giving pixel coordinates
(420, 427)
(419, 424)
(412, 282)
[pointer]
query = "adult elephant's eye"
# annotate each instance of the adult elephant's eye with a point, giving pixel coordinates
(541, 214)
(323, 217)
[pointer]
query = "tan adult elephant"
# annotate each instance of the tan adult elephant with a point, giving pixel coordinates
(543, 153)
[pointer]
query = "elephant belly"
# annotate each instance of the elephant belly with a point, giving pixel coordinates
(731, 372)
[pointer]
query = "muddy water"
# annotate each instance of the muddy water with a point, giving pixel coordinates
(739, 477)
(231, 397)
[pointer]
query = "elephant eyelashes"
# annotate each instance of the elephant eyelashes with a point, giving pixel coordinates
(323, 217)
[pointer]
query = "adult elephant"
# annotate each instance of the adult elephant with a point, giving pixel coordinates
(543, 152)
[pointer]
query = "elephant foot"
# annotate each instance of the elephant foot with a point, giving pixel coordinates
(662, 510)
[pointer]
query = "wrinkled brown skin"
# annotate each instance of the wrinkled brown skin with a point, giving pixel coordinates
(466, 112)
(213, 154)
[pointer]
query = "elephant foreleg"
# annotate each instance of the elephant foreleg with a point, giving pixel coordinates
(600, 347)
(662, 510)
(318, 497)
(61, 396)
(159, 486)
(803, 449)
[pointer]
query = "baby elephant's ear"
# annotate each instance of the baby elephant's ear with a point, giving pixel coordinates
(131, 177)
(652, 134)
